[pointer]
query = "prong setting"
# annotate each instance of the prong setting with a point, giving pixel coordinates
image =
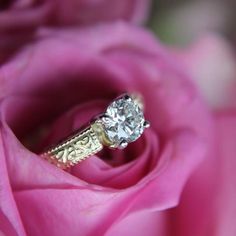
(146, 124)
(127, 97)
(123, 144)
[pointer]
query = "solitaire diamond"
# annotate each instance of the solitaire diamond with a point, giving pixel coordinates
(123, 121)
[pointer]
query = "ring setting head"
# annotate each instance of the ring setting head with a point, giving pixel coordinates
(123, 122)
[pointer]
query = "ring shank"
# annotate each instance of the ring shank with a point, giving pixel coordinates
(75, 149)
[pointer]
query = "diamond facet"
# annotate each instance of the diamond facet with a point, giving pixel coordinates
(123, 121)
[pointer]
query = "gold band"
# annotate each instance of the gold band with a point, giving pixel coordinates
(74, 149)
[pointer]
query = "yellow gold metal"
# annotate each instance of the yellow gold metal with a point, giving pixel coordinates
(99, 130)
(75, 149)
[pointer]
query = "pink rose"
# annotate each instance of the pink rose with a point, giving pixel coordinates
(56, 85)
(19, 19)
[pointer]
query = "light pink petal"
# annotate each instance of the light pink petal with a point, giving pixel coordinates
(148, 223)
(67, 211)
(207, 206)
(212, 64)
(9, 215)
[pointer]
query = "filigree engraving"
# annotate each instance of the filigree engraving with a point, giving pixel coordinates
(75, 149)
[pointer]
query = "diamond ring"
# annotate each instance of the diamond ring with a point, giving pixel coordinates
(123, 122)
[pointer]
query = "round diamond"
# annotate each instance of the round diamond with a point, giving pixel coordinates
(123, 121)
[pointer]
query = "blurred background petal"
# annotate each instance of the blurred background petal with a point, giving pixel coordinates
(211, 62)
(180, 22)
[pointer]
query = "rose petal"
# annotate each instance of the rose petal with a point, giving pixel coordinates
(209, 197)
(212, 63)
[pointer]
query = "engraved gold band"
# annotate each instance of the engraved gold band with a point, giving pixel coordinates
(93, 138)
(75, 149)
